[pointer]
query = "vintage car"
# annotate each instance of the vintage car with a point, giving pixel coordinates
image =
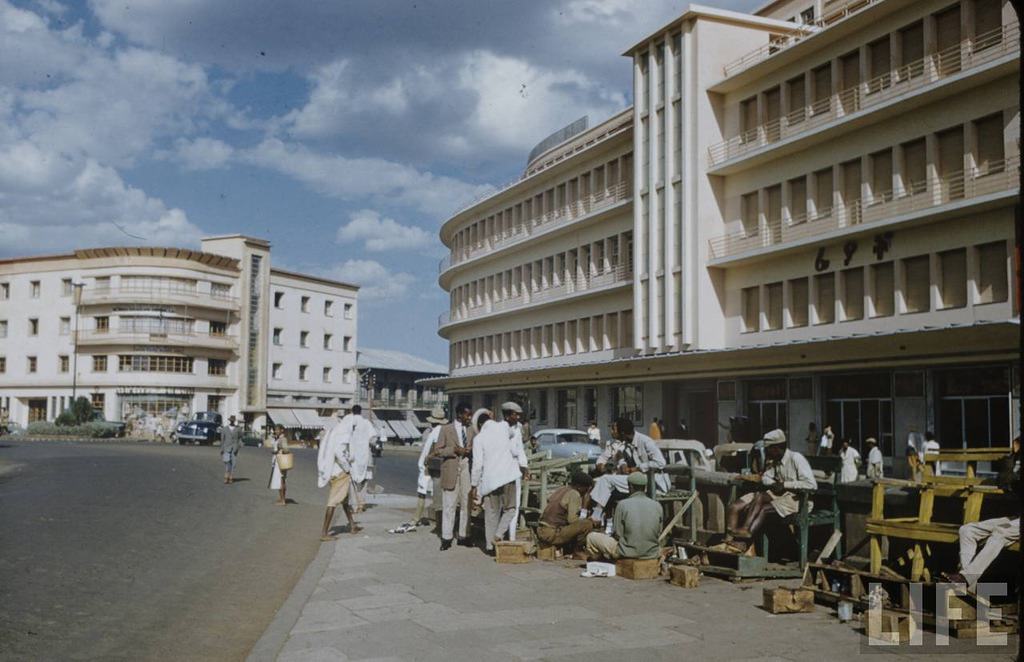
(690, 452)
(204, 428)
(566, 443)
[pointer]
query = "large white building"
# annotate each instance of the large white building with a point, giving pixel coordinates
(807, 216)
(151, 334)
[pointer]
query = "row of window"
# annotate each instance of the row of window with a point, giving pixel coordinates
(326, 375)
(130, 363)
(144, 324)
(880, 290)
(35, 289)
(328, 340)
(577, 336)
(593, 259)
(874, 178)
(304, 305)
(888, 59)
(598, 183)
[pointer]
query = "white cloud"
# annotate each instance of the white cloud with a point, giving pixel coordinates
(354, 178)
(386, 234)
(377, 283)
(202, 153)
(337, 96)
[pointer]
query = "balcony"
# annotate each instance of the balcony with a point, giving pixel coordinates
(948, 193)
(545, 222)
(834, 12)
(169, 337)
(590, 284)
(864, 98)
(158, 296)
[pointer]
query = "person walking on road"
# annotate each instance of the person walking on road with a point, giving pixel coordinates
(334, 468)
(279, 476)
(230, 443)
(359, 435)
(454, 447)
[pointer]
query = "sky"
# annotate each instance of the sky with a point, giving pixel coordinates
(343, 131)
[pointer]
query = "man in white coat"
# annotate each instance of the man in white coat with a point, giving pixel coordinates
(358, 434)
(334, 468)
(512, 413)
(875, 461)
(630, 451)
(496, 466)
(851, 461)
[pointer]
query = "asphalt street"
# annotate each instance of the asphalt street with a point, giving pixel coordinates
(139, 551)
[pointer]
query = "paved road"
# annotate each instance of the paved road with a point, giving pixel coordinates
(139, 551)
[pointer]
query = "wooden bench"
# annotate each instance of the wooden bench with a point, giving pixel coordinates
(922, 529)
(969, 456)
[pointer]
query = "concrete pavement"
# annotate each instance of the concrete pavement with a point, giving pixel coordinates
(377, 596)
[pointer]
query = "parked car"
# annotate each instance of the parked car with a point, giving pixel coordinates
(690, 452)
(566, 443)
(204, 428)
(97, 417)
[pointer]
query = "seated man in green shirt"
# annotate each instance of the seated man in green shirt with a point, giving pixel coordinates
(637, 524)
(561, 524)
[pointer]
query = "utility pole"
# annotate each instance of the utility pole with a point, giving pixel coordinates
(74, 370)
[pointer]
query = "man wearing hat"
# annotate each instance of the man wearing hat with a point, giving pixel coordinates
(498, 464)
(454, 447)
(512, 413)
(874, 468)
(786, 470)
(637, 523)
(425, 483)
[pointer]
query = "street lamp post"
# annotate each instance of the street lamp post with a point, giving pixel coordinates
(74, 369)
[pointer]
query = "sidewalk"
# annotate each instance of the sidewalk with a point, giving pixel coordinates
(380, 596)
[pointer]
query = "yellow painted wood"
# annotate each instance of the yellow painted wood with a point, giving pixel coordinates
(917, 564)
(878, 500)
(876, 555)
(924, 513)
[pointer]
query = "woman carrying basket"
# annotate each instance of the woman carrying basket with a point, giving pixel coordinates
(280, 464)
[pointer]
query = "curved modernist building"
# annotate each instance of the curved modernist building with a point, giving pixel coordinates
(149, 334)
(821, 221)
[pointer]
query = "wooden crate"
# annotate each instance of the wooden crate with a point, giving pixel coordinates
(788, 600)
(687, 576)
(638, 568)
(511, 552)
(548, 553)
(888, 626)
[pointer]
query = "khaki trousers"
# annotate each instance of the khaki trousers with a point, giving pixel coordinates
(459, 497)
(602, 546)
(575, 533)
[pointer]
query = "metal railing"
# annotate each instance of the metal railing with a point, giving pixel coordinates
(155, 336)
(833, 13)
(968, 54)
(155, 294)
(996, 177)
(569, 287)
(553, 218)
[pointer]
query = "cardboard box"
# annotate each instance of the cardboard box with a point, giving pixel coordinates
(512, 552)
(788, 600)
(638, 568)
(687, 576)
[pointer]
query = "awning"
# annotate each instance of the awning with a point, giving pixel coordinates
(308, 418)
(285, 417)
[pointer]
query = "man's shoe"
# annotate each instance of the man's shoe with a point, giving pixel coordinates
(465, 542)
(490, 552)
(446, 545)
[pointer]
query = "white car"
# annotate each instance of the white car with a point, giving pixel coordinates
(567, 443)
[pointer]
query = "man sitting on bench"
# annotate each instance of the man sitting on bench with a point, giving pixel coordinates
(633, 452)
(561, 524)
(786, 470)
(637, 525)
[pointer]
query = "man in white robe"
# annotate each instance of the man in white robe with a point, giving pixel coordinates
(851, 461)
(334, 468)
(496, 466)
(358, 434)
(875, 460)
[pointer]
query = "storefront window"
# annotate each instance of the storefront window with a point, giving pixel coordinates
(628, 402)
(767, 407)
(974, 407)
(860, 406)
(566, 414)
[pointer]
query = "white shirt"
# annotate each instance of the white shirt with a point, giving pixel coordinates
(497, 460)
(826, 440)
(594, 434)
(332, 458)
(428, 442)
(793, 471)
(460, 433)
(356, 435)
(850, 458)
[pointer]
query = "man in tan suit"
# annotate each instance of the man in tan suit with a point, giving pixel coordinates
(455, 446)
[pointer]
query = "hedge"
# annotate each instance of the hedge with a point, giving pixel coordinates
(92, 429)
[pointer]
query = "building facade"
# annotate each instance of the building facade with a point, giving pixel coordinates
(152, 335)
(389, 391)
(821, 229)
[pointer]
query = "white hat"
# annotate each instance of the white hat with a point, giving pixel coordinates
(437, 416)
(774, 437)
(511, 406)
(476, 416)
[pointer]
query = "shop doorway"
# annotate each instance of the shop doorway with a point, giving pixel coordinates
(858, 407)
(36, 410)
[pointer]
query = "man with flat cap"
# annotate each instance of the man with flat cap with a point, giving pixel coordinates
(638, 525)
(512, 414)
(786, 470)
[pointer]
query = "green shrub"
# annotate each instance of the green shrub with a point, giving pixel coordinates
(66, 418)
(90, 430)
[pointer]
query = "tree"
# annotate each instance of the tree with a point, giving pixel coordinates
(79, 412)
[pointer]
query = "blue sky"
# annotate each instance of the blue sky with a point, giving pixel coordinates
(343, 131)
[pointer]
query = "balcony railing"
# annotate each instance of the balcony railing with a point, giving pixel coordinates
(833, 13)
(969, 54)
(566, 288)
(553, 218)
(157, 337)
(165, 295)
(997, 177)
